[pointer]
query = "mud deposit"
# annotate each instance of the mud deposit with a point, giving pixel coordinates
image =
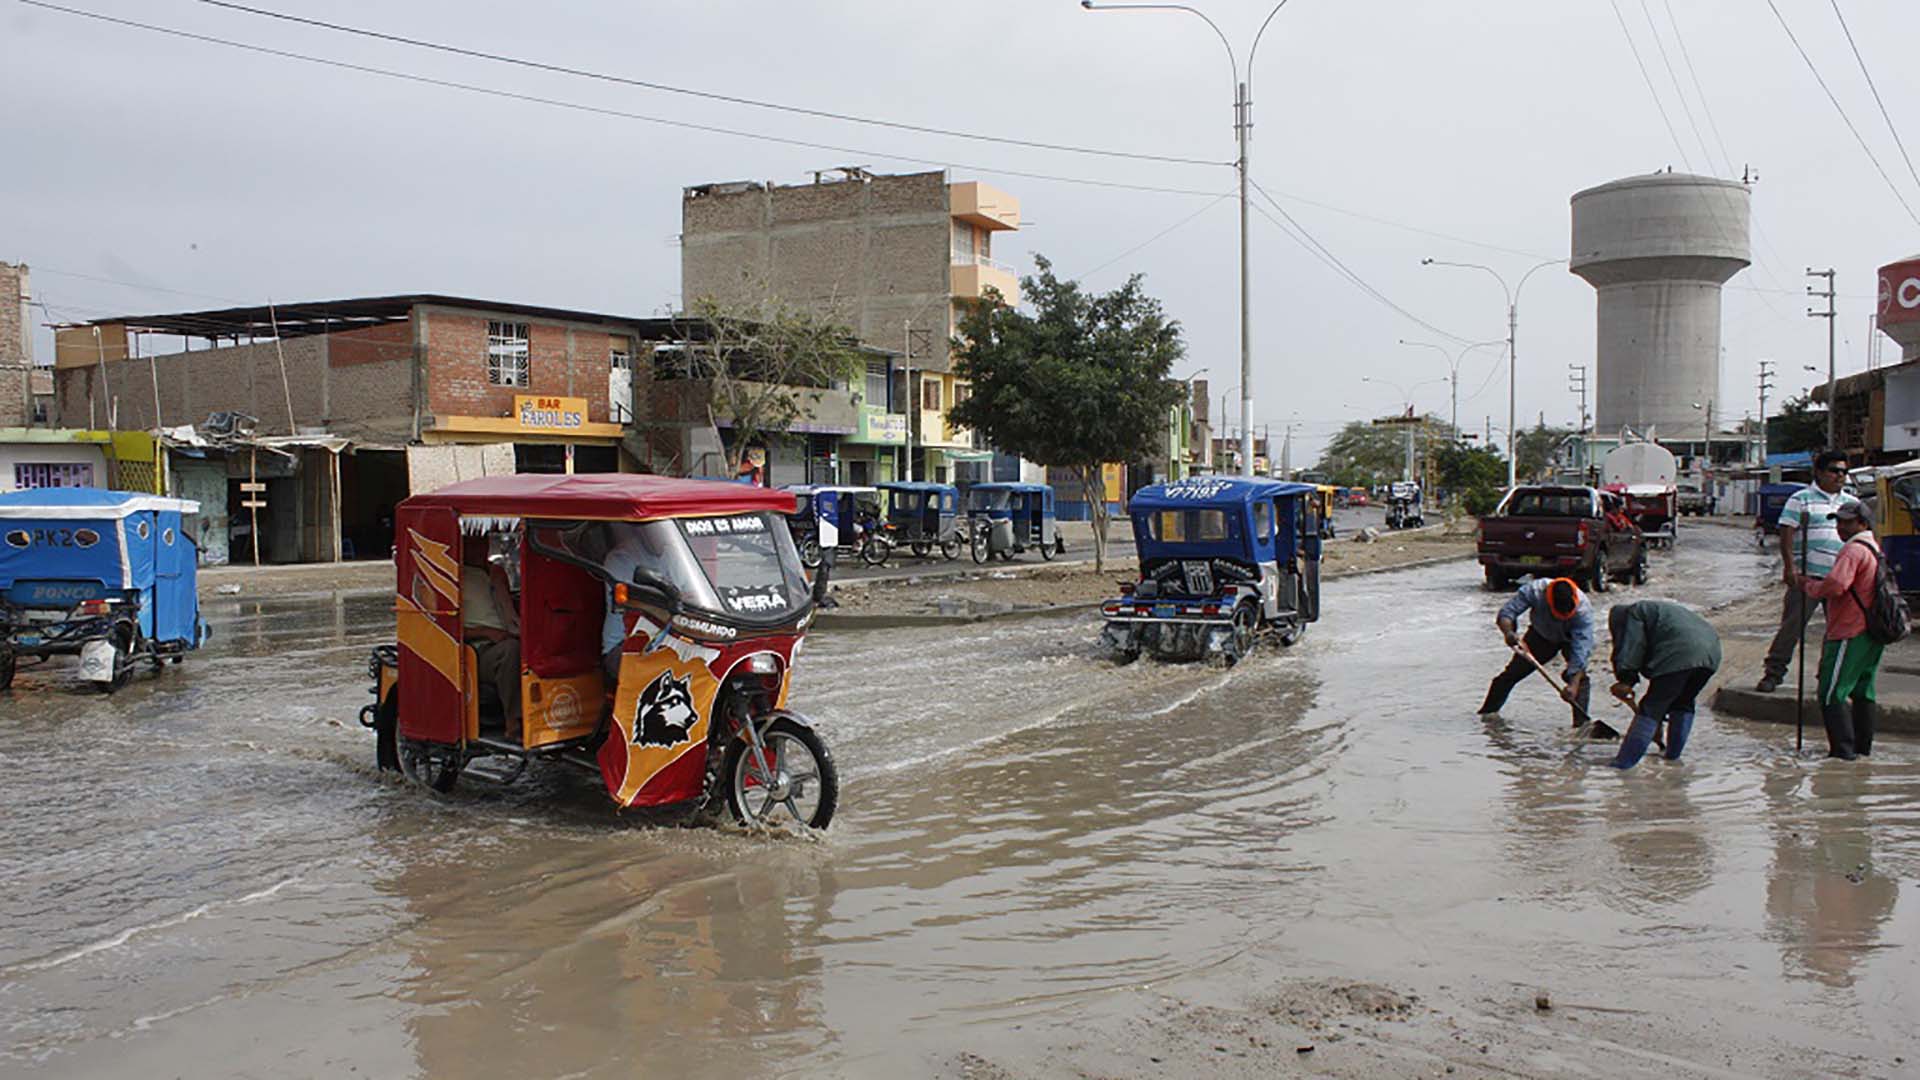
(1319, 862)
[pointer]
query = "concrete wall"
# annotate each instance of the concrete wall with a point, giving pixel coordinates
(1657, 250)
(16, 348)
(872, 254)
(564, 359)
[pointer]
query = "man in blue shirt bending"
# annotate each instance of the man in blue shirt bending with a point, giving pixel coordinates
(1560, 622)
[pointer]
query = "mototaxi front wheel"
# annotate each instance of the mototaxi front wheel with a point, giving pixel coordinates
(791, 777)
(874, 550)
(982, 549)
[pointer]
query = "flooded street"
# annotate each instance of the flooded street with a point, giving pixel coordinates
(1036, 852)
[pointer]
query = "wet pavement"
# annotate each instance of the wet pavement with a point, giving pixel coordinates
(205, 875)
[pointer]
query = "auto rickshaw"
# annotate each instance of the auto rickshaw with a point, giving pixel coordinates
(1006, 519)
(1768, 502)
(1328, 496)
(846, 519)
(1897, 508)
(107, 576)
(1224, 561)
(925, 517)
(1403, 505)
(709, 606)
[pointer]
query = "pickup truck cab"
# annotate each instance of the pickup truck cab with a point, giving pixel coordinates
(1561, 531)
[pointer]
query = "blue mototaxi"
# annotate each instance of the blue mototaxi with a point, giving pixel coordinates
(1223, 562)
(107, 576)
(844, 519)
(1768, 502)
(924, 517)
(1007, 518)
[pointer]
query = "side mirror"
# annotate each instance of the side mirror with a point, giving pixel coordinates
(651, 588)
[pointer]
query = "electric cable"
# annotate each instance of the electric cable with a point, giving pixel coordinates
(1694, 75)
(826, 114)
(1648, 79)
(1844, 118)
(1673, 77)
(599, 110)
(1862, 61)
(1156, 236)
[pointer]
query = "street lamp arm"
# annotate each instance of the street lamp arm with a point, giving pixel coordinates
(1529, 273)
(1258, 34)
(1224, 43)
(1476, 266)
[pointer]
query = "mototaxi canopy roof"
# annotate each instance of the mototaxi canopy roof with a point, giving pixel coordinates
(914, 485)
(1214, 491)
(1008, 485)
(601, 497)
(86, 504)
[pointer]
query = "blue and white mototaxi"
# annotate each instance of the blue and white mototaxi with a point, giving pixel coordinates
(1224, 561)
(107, 576)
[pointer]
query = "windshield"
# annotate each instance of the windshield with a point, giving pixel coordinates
(733, 564)
(988, 500)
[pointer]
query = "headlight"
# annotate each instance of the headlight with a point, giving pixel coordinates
(763, 664)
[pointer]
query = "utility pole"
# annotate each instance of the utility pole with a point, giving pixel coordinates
(1828, 315)
(1766, 384)
(1577, 382)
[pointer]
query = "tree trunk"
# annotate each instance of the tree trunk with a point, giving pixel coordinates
(1095, 490)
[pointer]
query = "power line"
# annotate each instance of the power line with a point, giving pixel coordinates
(1678, 93)
(1648, 79)
(1861, 60)
(1694, 75)
(1324, 254)
(709, 95)
(1392, 224)
(1156, 236)
(1868, 150)
(576, 106)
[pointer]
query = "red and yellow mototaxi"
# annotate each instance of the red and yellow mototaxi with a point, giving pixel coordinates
(700, 583)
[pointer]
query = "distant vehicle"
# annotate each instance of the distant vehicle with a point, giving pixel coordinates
(1358, 497)
(107, 576)
(1005, 519)
(1643, 474)
(1695, 502)
(925, 518)
(1223, 561)
(1403, 506)
(1768, 502)
(1561, 531)
(845, 519)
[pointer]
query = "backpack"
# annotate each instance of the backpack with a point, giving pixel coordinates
(1888, 619)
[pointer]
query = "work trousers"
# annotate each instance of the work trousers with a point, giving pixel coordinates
(1669, 698)
(497, 665)
(1795, 610)
(1518, 669)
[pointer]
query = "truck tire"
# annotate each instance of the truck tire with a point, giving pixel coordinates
(1497, 581)
(1597, 580)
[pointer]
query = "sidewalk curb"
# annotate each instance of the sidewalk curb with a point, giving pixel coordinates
(1896, 718)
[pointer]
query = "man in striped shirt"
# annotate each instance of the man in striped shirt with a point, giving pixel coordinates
(1810, 511)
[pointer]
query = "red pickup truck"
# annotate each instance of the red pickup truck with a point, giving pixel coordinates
(1577, 532)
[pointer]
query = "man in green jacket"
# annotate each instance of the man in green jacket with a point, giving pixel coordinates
(1678, 651)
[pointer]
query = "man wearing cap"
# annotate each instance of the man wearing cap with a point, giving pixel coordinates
(1560, 622)
(1849, 657)
(1809, 511)
(1678, 652)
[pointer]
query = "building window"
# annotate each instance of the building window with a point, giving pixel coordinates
(962, 243)
(620, 384)
(876, 391)
(62, 474)
(961, 392)
(930, 395)
(507, 354)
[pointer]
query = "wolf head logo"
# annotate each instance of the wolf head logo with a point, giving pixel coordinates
(666, 712)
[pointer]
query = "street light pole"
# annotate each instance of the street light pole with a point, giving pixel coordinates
(1513, 331)
(1242, 129)
(1454, 361)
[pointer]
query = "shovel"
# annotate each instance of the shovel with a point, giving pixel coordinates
(1585, 729)
(1659, 723)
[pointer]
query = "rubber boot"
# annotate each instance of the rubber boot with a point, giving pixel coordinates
(1865, 715)
(1679, 727)
(1634, 746)
(1839, 723)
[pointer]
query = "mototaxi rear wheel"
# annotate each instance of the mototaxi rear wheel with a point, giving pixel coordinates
(920, 548)
(793, 778)
(431, 765)
(810, 553)
(123, 636)
(950, 548)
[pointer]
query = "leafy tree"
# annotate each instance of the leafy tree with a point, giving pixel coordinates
(1534, 450)
(1475, 474)
(1080, 382)
(766, 362)
(1363, 454)
(1800, 426)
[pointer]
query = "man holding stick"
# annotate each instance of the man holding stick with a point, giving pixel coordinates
(1560, 622)
(1809, 543)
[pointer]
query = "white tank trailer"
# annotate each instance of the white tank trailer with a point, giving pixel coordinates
(1657, 249)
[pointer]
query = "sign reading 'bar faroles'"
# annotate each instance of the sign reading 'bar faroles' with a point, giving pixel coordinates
(538, 412)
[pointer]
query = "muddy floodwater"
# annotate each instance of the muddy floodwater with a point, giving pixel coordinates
(1043, 865)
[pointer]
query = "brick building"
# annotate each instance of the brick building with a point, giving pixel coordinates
(890, 257)
(17, 373)
(348, 405)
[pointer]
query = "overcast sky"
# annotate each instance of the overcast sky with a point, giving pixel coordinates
(231, 176)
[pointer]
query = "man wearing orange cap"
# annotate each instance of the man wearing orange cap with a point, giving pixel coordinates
(1560, 623)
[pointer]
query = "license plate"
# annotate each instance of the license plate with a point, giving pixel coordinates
(1533, 560)
(1164, 611)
